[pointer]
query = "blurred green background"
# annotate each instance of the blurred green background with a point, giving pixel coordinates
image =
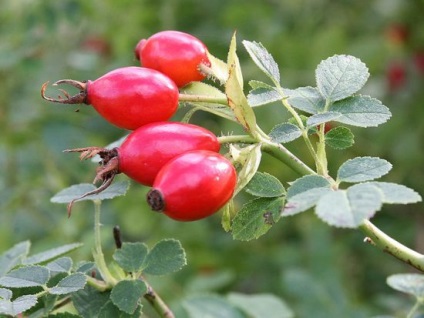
(317, 270)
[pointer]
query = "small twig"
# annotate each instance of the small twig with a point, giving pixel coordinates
(389, 245)
(157, 303)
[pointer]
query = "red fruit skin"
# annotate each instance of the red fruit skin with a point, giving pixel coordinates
(396, 76)
(147, 149)
(195, 185)
(176, 54)
(131, 97)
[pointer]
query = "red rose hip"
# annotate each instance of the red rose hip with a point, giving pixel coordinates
(176, 54)
(127, 97)
(147, 149)
(193, 186)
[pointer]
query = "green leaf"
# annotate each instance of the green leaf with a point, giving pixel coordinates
(262, 96)
(131, 256)
(13, 256)
(304, 193)
(5, 294)
(339, 138)
(210, 306)
(263, 59)
(166, 257)
(256, 217)
(362, 169)
(126, 295)
(86, 267)
(249, 158)
(233, 62)
(307, 99)
(217, 70)
(349, 208)
(235, 95)
(60, 265)
(50, 254)
(254, 84)
(340, 76)
(412, 284)
(109, 310)
(62, 315)
(19, 305)
(361, 111)
(89, 301)
(261, 305)
(216, 109)
(396, 193)
(203, 89)
(322, 118)
(307, 183)
(28, 276)
(227, 212)
(304, 201)
(285, 132)
(69, 284)
(265, 185)
(77, 190)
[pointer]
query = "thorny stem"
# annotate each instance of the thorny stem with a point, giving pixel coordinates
(98, 252)
(157, 303)
(377, 237)
(387, 244)
(203, 99)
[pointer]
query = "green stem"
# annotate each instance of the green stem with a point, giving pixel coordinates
(203, 99)
(284, 155)
(414, 310)
(237, 139)
(276, 150)
(321, 151)
(98, 253)
(387, 244)
(157, 303)
(299, 121)
(97, 284)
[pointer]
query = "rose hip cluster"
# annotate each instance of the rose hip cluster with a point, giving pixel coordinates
(190, 179)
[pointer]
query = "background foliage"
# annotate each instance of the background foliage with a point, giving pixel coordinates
(313, 267)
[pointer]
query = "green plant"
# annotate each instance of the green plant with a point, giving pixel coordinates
(128, 97)
(334, 199)
(176, 54)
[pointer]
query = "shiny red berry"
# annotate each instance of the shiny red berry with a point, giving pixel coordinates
(147, 149)
(176, 54)
(127, 97)
(193, 186)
